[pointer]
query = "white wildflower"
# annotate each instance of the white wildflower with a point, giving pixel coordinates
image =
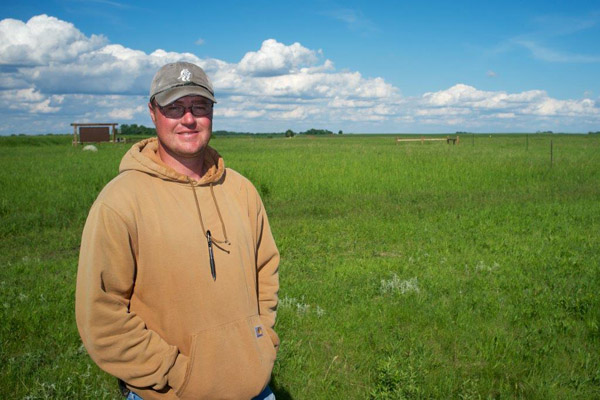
(397, 285)
(320, 312)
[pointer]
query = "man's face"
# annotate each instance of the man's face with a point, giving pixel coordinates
(185, 137)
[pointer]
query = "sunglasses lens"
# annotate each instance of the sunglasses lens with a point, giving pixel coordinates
(177, 111)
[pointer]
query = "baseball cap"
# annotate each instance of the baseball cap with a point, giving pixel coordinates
(180, 79)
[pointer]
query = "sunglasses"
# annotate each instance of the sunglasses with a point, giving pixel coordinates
(177, 110)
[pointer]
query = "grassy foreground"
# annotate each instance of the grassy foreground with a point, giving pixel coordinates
(409, 271)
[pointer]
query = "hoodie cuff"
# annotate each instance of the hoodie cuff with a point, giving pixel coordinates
(176, 375)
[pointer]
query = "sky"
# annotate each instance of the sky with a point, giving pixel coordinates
(355, 66)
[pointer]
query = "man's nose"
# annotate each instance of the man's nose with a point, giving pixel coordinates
(188, 117)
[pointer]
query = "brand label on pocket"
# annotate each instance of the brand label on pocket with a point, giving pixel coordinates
(258, 330)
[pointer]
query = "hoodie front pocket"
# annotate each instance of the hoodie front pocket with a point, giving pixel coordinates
(230, 361)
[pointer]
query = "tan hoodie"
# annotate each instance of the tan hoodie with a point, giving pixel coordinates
(148, 309)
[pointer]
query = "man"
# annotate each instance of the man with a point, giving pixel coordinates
(178, 270)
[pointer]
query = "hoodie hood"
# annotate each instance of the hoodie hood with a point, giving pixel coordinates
(143, 156)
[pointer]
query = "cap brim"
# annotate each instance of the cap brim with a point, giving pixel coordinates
(170, 95)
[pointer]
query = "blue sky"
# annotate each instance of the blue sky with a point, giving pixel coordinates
(378, 66)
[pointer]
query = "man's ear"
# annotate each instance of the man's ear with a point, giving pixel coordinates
(151, 109)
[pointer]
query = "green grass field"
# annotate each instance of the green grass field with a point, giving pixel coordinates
(409, 271)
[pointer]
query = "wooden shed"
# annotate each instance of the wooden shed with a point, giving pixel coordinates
(94, 133)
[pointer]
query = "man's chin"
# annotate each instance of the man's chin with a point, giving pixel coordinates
(183, 152)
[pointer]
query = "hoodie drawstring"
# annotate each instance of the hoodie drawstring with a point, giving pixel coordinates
(207, 233)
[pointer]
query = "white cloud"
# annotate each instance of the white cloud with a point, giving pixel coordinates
(53, 75)
(543, 45)
(110, 69)
(443, 111)
(29, 101)
(354, 20)
(43, 107)
(560, 25)
(41, 40)
(503, 115)
(572, 108)
(457, 94)
(497, 110)
(231, 112)
(126, 113)
(462, 95)
(347, 15)
(295, 114)
(275, 58)
(547, 54)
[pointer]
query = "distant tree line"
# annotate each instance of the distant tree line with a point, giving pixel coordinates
(135, 129)
(288, 133)
(594, 133)
(291, 133)
(317, 132)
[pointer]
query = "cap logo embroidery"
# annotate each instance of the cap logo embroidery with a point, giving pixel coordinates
(185, 75)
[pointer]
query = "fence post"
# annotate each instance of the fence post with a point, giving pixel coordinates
(74, 135)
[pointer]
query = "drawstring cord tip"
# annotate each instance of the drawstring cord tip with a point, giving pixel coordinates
(211, 257)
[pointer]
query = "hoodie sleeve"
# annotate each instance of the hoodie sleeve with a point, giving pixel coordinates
(116, 339)
(267, 266)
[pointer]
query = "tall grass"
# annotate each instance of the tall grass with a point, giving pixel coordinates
(408, 270)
